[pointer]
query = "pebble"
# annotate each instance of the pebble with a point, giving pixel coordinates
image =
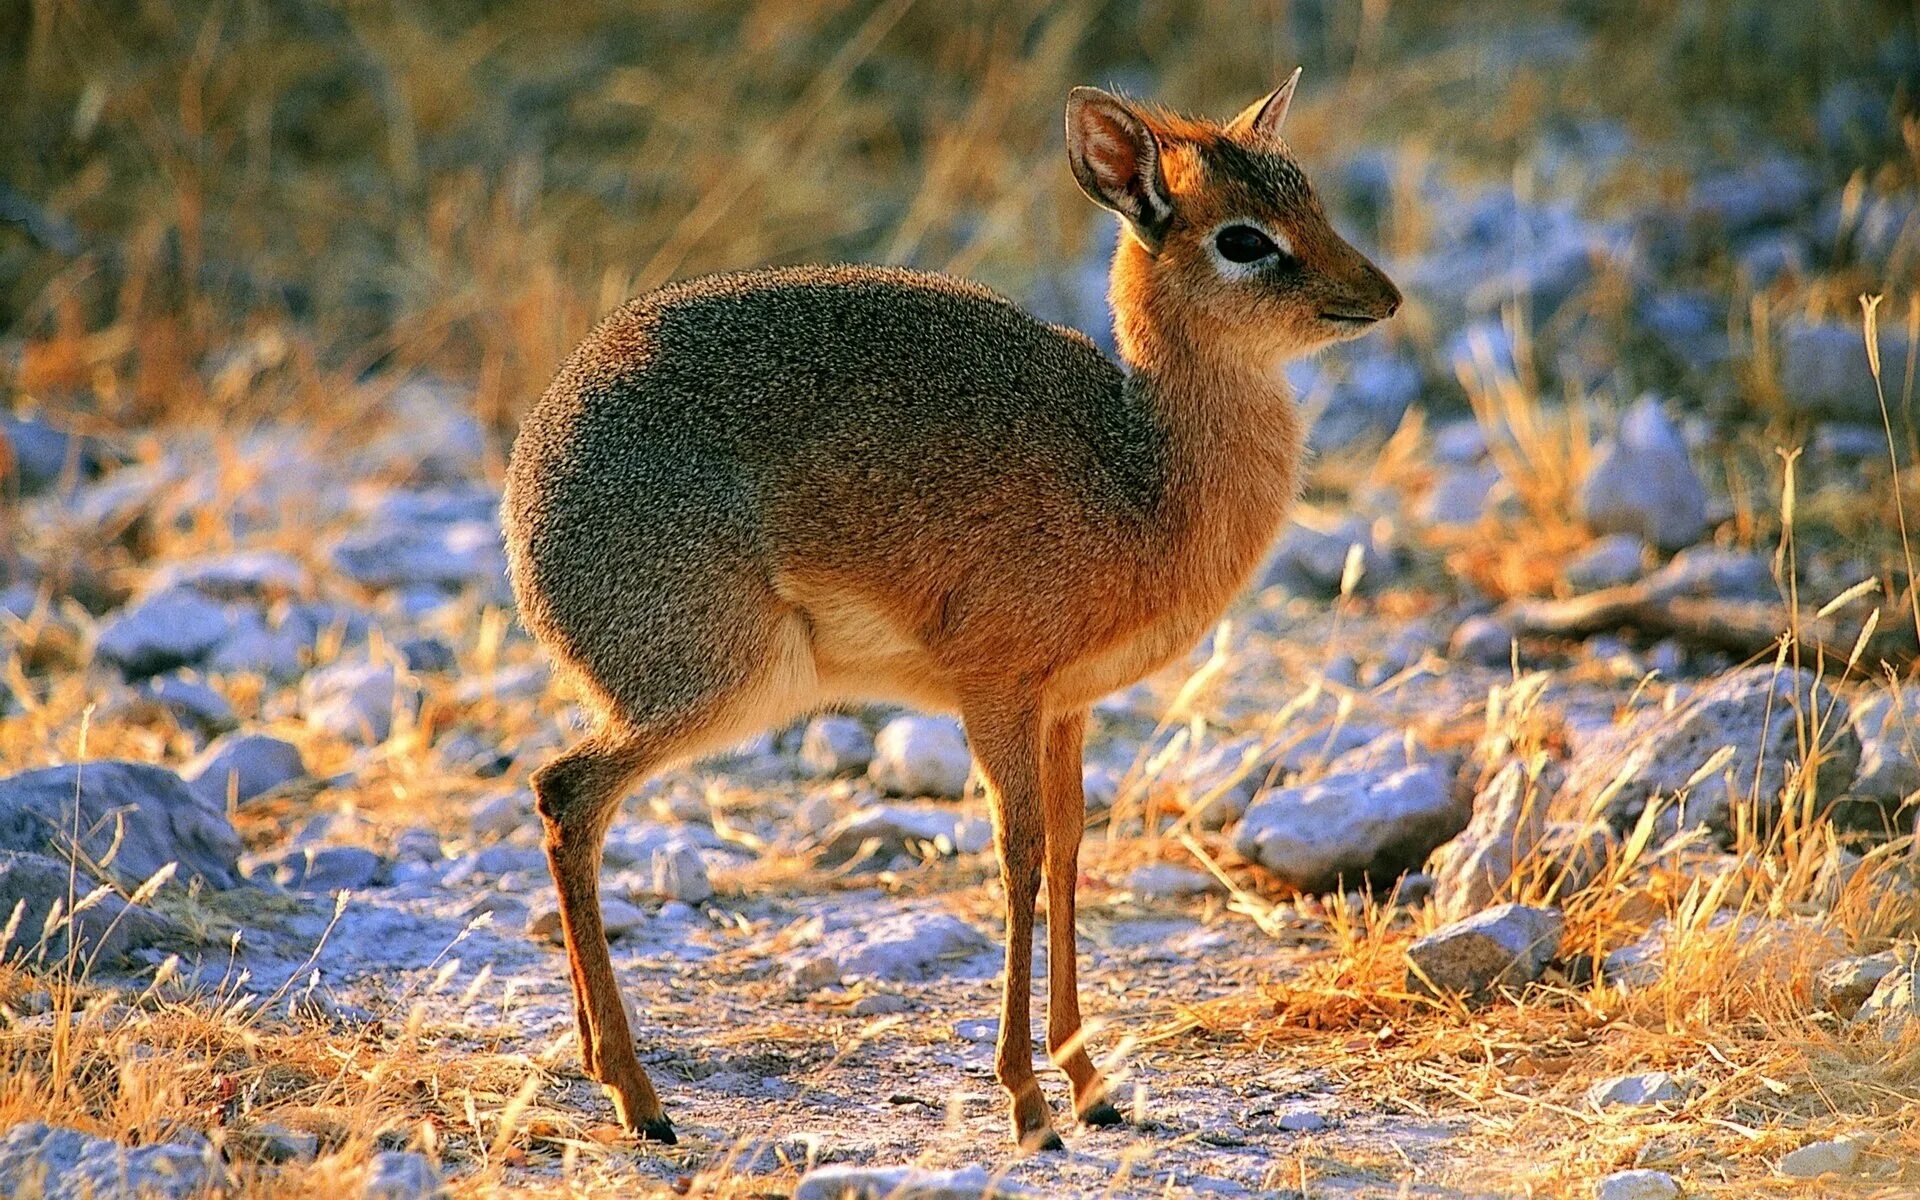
(401, 1175)
(1506, 945)
(1460, 495)
(273, 1143)
(147, 813)
(447, 556)
(254, 649)
(325, 869)
(904, 946)
(56, 1163)
(1637, 1185)
(840, 1182)
(355, 701)
(1165, 881)
(501, 816)
(176, 628)
(1643, 483)
(191, 703)
(1302, 1120)
(619, 917)
(1823, 368)
(1836, 1157)
(921, 756)
(1842, 987)
(243, 766)
(110, 928)
(1312, 561)
(1351, 826)
(1714, 572)
(259, 575)
(1611, 561)
(679, 873)
(887, 830)
(1893, 1006)
(836, 745)
(1482, 641)
(1636, 1091)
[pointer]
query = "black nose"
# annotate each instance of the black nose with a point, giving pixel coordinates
(1389, 295)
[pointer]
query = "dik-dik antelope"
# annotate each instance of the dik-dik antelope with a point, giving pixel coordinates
(747, 497)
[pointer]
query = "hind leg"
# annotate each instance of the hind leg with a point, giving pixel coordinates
(577, 795)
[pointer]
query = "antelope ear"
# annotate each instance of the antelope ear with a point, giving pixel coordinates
(1116, 161)
(1264, 117)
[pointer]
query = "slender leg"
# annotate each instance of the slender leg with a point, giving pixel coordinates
(1005, 734)
(1064, 815)
(577, 795)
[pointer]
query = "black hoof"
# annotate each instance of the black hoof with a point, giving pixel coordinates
(658, 1130)
(1043, 1140)
(1102, 1114)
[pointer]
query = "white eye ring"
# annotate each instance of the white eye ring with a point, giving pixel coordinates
(1243, 270)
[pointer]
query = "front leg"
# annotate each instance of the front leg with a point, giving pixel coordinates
(1005, 733)
(1065, 816)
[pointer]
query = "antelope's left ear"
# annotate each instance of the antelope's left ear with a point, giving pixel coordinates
(1263, 118)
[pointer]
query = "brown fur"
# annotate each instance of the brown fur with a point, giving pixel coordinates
(746, 497)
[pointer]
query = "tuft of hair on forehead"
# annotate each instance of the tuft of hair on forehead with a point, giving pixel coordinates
(1197, 152)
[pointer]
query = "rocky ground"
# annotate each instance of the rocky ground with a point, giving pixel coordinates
(1541, 821)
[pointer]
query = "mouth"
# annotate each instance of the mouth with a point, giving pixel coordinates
(1348, 320)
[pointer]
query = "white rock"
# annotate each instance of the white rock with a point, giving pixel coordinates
(1658, 753)
(1889, 732)
(679, 873)
(1460, 495)
(52, 1162)
(1613, 560)
(242, 575)
(619, 917)
(1636, 1091)
(1644, 483)
(1842, 987)
(502, 815)
(1836, 1157)
(1892, 1006)
(1824, 368)
(245, 766)
(904, 946)
(1503, 946)
(1508, 823)
(145, 815)
(1302, 1120)
(1717, 573)
(1348, 827)
(813, 814)
(449, 555)
(1156, 881)
(355, 701)
(900, 1183)
(921, 756)
(1636, 1185)
(1311, 561)
(1483, 641)
(835, 745)
(401, 1175)
(889, 829)
(176, 628)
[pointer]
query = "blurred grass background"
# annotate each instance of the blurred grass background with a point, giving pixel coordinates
(229, 209)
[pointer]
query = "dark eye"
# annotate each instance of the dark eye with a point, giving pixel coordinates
(1244, 244)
